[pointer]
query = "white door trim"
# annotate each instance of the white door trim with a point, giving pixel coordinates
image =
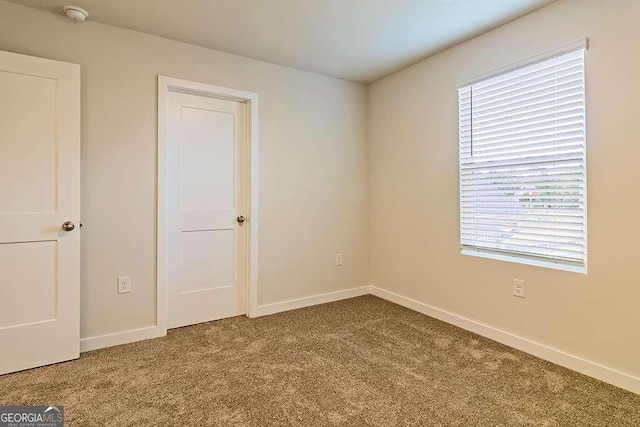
(170, 84)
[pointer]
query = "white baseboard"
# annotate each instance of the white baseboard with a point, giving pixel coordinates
(264, 310)
(126, 337)
(559, 357)
(118, 338)
(570, 361)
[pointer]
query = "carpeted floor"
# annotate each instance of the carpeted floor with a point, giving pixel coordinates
(362, 361)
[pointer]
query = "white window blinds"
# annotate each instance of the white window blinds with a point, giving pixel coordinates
(523, 162)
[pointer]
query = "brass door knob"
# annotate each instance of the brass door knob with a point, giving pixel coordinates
(240, 219)
(68, 226)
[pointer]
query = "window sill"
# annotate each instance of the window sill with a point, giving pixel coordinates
(526, 261)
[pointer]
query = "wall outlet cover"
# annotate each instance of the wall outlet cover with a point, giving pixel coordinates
(124, 284)
(518, 288)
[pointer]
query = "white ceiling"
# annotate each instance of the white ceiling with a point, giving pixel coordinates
(358, 40)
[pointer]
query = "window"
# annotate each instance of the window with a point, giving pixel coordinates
(523, 164)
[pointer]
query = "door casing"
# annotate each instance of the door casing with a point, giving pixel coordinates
(170, 84)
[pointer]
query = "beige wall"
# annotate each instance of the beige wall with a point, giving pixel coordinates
(414, 212)
(313, 163)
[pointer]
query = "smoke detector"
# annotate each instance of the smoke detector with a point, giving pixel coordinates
(76, 13)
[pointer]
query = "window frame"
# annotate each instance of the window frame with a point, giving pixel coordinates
(515, 256)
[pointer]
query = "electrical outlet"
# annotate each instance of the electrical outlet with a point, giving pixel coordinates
(124, 284)
(338, 259)
(518, 288)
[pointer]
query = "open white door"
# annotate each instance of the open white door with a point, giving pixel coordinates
(39, 212)
(206, 208)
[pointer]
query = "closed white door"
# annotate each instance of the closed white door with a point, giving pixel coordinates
(206, 208)
(40, 191)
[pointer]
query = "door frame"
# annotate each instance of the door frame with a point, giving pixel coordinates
(170, 84)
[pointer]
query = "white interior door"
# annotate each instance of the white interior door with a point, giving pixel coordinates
(40, 176)
(206, 204)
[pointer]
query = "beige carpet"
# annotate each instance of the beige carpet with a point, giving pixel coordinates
(362, 361)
